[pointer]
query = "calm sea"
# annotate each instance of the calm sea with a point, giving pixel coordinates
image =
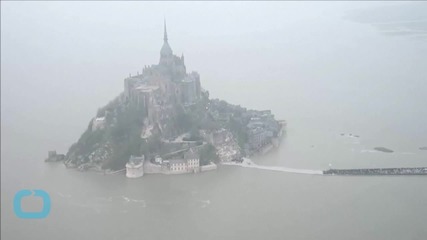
(327, 76)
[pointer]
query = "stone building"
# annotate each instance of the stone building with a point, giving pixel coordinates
(193, 161)
(164, 83)
(190, 163)
(190, 88)
(177, 166)
(135, 167)
(52, 156)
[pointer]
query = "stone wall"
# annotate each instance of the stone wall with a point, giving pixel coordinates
(210, 167)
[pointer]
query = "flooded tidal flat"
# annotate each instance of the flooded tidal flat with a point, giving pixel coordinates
(399, 20)
(412, 28)
(323, 74)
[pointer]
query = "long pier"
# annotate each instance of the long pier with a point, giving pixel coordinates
(378, 171)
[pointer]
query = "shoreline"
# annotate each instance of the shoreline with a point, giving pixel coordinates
(150, 168)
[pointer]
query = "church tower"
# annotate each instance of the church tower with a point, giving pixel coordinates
(170, 64)
(166, 54)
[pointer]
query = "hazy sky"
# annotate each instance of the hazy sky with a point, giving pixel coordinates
(60, 61)
(325, 67)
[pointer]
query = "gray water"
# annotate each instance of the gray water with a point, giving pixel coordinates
(314, 64)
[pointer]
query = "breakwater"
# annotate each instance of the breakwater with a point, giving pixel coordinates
(378, 171)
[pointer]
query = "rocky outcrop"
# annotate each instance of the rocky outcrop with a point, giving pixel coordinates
(229, 151)
(383, 149)
(93, 160)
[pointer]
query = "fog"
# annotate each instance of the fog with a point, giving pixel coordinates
(325, 67)
(62, 60)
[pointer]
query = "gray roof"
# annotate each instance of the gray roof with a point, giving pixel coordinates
(177, 161)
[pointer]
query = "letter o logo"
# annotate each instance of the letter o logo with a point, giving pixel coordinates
(17, 208)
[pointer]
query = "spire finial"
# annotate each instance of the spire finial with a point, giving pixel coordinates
(165, 36)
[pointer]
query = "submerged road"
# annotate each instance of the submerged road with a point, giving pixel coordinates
(368, 171)
(249, 164)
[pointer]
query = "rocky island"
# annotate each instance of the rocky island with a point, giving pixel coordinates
(165, 122)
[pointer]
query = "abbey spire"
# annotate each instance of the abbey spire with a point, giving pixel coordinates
(166, 53)
(165, 34)
(170, 64)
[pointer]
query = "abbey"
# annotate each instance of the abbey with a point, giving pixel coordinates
(159, 86)
(164, 122)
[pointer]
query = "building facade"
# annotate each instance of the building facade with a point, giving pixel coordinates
(193, 161)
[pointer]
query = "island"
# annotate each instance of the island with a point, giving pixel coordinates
(165, 122)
